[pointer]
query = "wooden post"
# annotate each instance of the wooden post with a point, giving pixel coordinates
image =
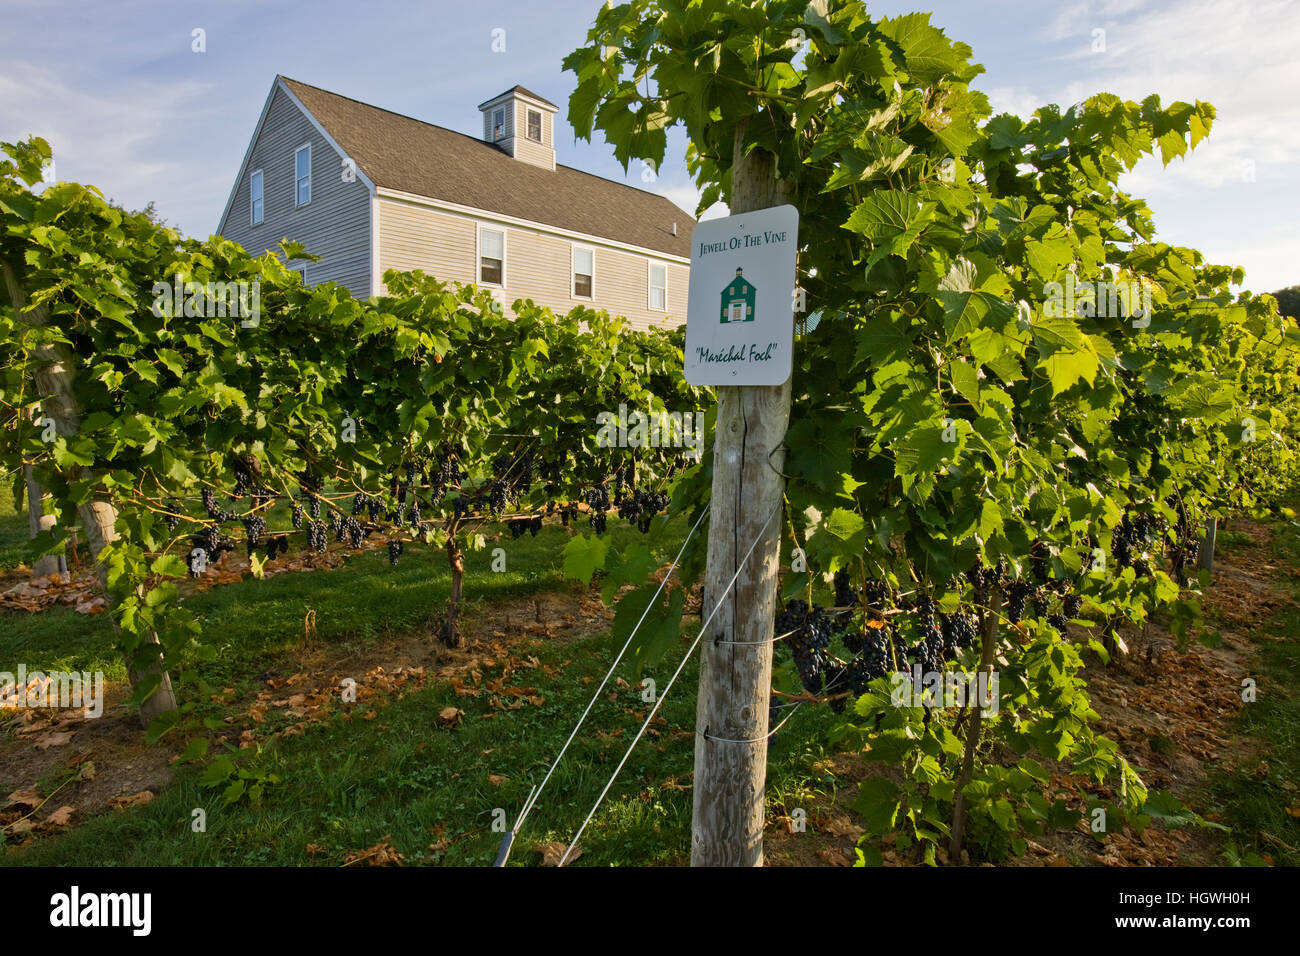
(736, 654)
(1205, 557)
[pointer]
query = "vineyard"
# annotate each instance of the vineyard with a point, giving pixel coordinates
(367, 579)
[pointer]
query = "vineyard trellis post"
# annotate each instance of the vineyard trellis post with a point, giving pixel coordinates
(736, 657)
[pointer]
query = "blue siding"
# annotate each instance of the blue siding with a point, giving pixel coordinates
(334, 225)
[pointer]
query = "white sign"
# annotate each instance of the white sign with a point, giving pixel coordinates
(740, 308)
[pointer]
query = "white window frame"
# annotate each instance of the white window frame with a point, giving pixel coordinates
(259, 177)
(492, 123)
(296, 180)
(529, 113)
(478, 256)
(574, 249)
(650, 286)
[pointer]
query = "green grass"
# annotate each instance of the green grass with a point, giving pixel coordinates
(347, 784)
(13, 530)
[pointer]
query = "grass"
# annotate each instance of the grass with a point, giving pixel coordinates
(349, 783)
(13, 530)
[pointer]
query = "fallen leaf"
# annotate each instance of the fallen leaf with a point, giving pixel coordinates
(553, 852)
(59, 817)
(25, 798)
(450, 716)
(381, 854)
(135, 800)
(54, 740)
(496, 779)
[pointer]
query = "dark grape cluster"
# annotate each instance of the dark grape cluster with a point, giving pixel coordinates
(960, 630)
(254, 528)
(173, 508)
(297, 516)
(641, 506)
(212, 542)
(568, 513)
(521, 526)
(355, 533)
(460, 507)
(809, 641)
(845, 594)
(1017, 595)
(446, 473)
(394, 551)
(316, 539)
(498, 495)
(210, 506)
(243, 479)
(1073, 605)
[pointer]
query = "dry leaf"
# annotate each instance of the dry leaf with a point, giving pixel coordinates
(59, 817)
(20, 826)
(135, 800)
(553, 852)
(450, 716)
(54, 740)
(381, 854)
(496, 779)
(25, 798)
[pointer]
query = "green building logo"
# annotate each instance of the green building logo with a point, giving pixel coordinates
(737, 300)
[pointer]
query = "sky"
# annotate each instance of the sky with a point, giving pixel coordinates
(129, 106)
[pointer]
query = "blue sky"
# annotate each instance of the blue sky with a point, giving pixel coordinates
(128, 106)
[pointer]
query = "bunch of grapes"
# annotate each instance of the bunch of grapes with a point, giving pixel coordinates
(415, 517)
(243, 479)
(460, 507)
(316, 539)
(875, 594)
(394, 551)
(809, 640)
(1073, 605)
(358, 504)
(297, 516)
(959, 630)
(372, 508)
(314, 508)
(173, 518)
(845, 594)
(1040, 602)
(355, 533)
(254, 527)
(1017, 595)
(212, 542)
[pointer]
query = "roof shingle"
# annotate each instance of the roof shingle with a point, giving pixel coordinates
(409, 155)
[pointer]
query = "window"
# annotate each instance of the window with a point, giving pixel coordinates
(535, 125)
(584, 269)
(498, 123)
(491, 256)
(255, 196)
(302, 175)
(658, 287)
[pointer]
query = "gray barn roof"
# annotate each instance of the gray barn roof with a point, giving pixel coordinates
(406, 154)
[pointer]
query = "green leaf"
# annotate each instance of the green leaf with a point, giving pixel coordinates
(583, 555)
